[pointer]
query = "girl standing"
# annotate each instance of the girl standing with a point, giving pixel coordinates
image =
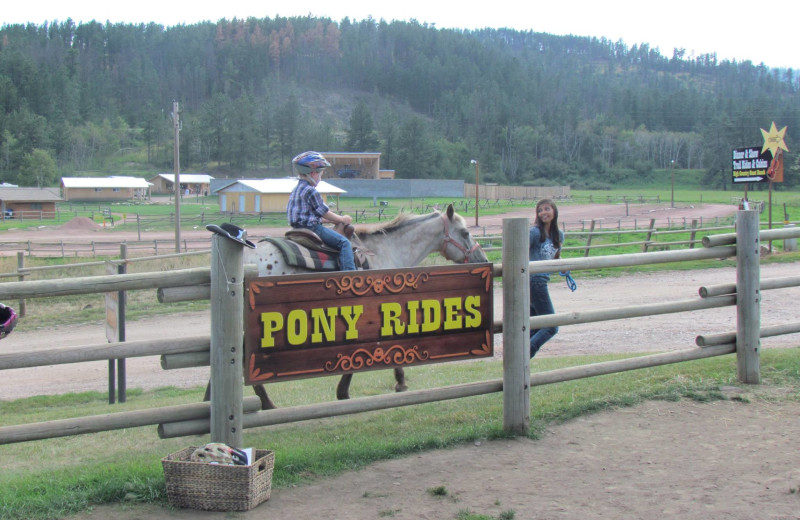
(545, 244)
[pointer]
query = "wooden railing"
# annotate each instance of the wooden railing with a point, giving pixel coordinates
(199, 283)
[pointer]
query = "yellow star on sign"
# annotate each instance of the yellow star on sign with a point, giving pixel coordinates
(773, 140)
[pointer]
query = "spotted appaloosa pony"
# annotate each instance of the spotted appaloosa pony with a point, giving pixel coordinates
(403, 242)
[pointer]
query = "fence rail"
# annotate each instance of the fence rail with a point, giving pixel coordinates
(199, 418)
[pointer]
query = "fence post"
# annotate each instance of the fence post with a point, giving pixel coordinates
(20, 266)
(649, 235)
(227, 317)
(589, 239)
(693, 234)
(516, 327)
(748, 297)
(122, 382)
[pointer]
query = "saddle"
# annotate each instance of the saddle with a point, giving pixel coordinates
(319, 256)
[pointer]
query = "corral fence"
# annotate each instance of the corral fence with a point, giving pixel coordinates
(595, 233)
(229, 413)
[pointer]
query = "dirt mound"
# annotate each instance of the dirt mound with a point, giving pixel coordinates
(80, 224)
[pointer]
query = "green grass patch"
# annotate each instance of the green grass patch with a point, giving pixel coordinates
(52, 478)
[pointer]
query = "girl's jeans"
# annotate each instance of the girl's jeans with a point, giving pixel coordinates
(540, 305)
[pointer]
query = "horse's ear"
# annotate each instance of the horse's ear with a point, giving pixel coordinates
(450, 212)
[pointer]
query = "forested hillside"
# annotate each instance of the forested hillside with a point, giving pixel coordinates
(531, 107)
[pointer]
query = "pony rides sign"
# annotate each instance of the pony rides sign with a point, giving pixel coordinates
(333, 323)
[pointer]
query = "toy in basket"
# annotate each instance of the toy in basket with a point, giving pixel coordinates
(217, 487)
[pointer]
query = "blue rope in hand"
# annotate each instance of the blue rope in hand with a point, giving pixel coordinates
(570, 281)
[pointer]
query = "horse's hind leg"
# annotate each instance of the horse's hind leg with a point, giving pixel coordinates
(343, 388)
(266, 402)
(400, 377)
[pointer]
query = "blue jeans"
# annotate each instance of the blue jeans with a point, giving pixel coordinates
(540, 305)
(334, 239)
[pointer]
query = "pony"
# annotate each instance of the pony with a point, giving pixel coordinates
(402, 242)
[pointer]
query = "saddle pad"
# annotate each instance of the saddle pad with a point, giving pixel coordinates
(300, 256)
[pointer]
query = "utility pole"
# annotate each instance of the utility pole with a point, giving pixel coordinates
(177, 169)
(477, 183)
(672, 196)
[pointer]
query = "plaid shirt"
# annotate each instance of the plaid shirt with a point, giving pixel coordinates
(305, 207)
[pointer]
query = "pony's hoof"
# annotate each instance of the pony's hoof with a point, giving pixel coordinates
(400, 388)
(342, 397)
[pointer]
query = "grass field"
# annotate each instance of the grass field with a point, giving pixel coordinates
(52, 478)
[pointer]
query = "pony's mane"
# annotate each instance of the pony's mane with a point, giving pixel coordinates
(400, 221)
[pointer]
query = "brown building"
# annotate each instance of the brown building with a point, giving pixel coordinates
(356, 165)
(28, 203)
(196, 183)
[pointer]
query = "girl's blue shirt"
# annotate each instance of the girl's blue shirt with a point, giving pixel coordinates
(538, 250)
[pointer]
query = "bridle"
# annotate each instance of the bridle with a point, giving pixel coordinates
(450, 240)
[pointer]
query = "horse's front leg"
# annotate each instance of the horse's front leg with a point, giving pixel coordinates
(266, 402)
(400, 377)
(343, 389)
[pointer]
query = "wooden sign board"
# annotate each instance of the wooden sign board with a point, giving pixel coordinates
(750, 165)
(332, 323)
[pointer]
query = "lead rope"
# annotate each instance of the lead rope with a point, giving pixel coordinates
(570, 281)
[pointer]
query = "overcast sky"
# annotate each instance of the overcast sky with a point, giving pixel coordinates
(736, 29)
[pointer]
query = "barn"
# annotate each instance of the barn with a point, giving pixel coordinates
(105, 189)
(264, 195)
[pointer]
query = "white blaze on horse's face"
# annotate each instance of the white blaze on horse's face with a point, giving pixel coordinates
(458, 245)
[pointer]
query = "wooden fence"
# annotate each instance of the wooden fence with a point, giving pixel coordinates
(585, 229)
(648, 237)
(496, 192)
(229, 412)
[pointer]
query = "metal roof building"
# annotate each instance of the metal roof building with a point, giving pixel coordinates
(104, 188)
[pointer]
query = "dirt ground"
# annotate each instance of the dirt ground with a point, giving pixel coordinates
(689, 461)
(725, 460)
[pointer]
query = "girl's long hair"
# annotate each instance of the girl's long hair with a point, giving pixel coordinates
(553, 231)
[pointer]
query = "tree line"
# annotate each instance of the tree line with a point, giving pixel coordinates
(532, 108)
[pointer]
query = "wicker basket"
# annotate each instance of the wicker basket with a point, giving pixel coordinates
(213, 487)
